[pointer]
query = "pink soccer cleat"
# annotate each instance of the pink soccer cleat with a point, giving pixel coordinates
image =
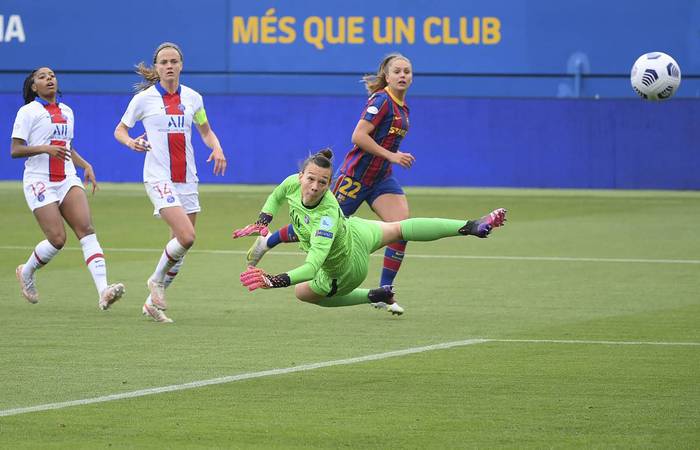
(157, 289)
(156, 314)
(482, 227)
(111, 294)
(27, 286)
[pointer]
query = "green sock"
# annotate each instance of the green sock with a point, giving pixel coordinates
(430, 229)
(356, 297)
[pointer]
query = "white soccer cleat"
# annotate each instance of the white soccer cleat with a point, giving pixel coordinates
(111, 294)
(156, 314)
(157, 293)
(394, 308)
(27, 286)
(257, 251)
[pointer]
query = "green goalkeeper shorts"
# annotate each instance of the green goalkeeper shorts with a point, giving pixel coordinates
(364, 237)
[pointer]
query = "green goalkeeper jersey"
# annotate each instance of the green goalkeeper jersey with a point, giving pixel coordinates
(322, 230)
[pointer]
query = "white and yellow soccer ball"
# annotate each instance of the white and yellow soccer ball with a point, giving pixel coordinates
(655, 76)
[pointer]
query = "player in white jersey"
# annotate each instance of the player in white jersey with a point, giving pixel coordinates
(43, 133)
(168, 110)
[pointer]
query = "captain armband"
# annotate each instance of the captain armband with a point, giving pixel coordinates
(200, 117)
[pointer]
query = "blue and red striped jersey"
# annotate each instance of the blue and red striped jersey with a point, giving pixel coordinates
(390, 119)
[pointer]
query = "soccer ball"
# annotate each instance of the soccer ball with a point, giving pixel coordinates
(655, 76)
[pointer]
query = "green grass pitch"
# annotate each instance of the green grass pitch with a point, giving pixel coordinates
(584, 300)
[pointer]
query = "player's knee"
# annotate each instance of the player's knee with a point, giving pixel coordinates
(57, 239)
(85, 230)
(304, 294)
(186, 239)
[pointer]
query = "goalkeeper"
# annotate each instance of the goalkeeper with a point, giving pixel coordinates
(338, 248)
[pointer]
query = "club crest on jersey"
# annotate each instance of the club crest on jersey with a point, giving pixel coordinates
(306, 219)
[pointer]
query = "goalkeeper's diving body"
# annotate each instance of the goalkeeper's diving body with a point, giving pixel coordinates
(337, 247)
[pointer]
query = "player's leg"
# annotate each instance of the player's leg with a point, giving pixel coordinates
(168, 206)
(50, 221)
(381, 298)
(183, 231)
(75, 209)
(170, 275)
(391, 208)
(424, 229)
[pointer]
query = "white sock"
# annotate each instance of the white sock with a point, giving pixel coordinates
(95, 260)
(172, 254)
(169, 277)
(172, 273)
(42, 254)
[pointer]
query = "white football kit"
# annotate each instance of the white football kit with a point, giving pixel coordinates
(46, 179)
(169, 171)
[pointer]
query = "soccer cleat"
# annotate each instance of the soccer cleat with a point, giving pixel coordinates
(394, 308)
(157, 289)
(257, 251)
(383, 298)
(27, 286)
(111, 294)
(156, 314)
(483, 227)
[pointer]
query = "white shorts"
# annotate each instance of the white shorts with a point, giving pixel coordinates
(40, 193)
(166, 194)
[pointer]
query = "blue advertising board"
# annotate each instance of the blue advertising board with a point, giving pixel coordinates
(546, 143)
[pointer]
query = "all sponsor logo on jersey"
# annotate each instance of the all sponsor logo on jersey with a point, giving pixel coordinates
(176, 124)
(176, 121)
(306, 219)
(60, 131)
(372, 110)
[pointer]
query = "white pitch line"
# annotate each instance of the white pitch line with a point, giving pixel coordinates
(410, 255)
(587, 342)
(314, 366)
(240, 377)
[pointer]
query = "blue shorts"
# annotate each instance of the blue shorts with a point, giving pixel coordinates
(351, 193)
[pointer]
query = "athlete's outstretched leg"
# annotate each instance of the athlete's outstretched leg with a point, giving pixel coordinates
(422, 229)
(380, 298)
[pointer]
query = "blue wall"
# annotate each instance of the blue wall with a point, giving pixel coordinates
(550, 143)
